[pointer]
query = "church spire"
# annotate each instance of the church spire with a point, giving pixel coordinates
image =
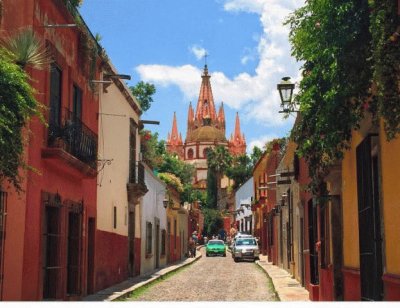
(237, 135)
(205, 105)
(237, 143)
(174, 132)
(190, 113)
(221, 113)
(174, 140)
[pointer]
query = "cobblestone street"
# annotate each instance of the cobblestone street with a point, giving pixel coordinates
(213, 279)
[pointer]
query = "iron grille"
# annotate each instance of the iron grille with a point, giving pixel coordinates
(3, 209)
(52, 265)
(74, 252)
(74, 137)
(313, 236)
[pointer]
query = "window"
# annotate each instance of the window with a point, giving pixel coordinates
(175, 227)
(51, 246)
(55, 95)
(149, 238)
(74, 246)
(205, 151)
(77, 103)
(324, 234)
(163, 242)
(190, 153)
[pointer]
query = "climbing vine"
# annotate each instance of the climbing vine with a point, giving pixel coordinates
(348, 48)
(332, 38)
(385, 29)
(17, 106)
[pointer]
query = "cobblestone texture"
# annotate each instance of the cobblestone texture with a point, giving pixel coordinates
(213, 279)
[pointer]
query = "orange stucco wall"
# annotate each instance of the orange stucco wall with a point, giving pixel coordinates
(390, 168)
(351, 256)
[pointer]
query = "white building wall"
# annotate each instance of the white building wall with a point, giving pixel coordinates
(152, 210)
(244, 195)
(115, 113)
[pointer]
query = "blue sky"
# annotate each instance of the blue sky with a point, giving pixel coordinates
(162, 42)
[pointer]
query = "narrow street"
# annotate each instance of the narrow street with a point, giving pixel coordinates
(213, 279)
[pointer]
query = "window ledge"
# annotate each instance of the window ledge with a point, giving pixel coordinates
(149, 255)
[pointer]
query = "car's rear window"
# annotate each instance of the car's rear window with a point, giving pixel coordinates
(215, 243)
(247, 241)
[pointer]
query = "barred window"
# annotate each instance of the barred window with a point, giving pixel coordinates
(149, 238)
(163, 242)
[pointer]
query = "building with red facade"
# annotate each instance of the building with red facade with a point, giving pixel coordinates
(50, 227)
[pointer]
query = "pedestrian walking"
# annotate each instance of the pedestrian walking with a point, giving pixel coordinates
(192, 248)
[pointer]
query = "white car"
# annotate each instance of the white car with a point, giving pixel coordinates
(246, 248)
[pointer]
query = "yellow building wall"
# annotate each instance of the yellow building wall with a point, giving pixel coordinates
(351, 251)
(390, 168)
(258, 175)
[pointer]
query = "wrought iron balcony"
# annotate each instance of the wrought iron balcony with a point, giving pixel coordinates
(136, 186)
(75, 138)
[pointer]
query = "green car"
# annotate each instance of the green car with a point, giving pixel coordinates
(215, 248)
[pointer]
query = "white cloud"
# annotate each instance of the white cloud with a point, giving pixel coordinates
(256, 94)
(198, 51)
(260, 142)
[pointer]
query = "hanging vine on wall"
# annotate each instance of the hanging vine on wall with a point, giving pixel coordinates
(332, 39)
(385, 27)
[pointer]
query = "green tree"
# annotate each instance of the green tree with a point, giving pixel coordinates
(17, 106)
(149, 147)
(332, 39)
(212, 189)
(218, 161)
(144, 91)
(213, 221)
(255, 155)
(240, 170)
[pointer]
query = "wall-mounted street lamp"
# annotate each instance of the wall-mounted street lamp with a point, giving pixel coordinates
(165, 203)
(285, 88)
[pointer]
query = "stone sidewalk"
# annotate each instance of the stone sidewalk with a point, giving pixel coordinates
(287, 288)
(123, 289)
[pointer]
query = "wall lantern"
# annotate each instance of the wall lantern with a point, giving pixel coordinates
(165, 203)
(285, 88)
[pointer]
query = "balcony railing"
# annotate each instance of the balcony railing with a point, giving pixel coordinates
(74, 137)
(136, 186)
(136, 174)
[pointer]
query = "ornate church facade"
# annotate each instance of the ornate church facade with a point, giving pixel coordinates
(205, 129)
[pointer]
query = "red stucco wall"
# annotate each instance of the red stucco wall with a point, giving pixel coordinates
(23, 275)
(111, 259)
(351, 284)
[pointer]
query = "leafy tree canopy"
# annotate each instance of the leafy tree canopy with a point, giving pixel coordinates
(213, 221)
(144, 91)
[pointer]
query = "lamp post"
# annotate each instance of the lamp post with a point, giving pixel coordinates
(285, 88)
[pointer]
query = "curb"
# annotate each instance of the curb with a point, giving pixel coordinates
(154, 277)
(272, 281)
(285, 286)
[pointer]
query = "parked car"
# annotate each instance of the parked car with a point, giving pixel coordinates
(215, 247)
(246, 249)
(238, 236)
